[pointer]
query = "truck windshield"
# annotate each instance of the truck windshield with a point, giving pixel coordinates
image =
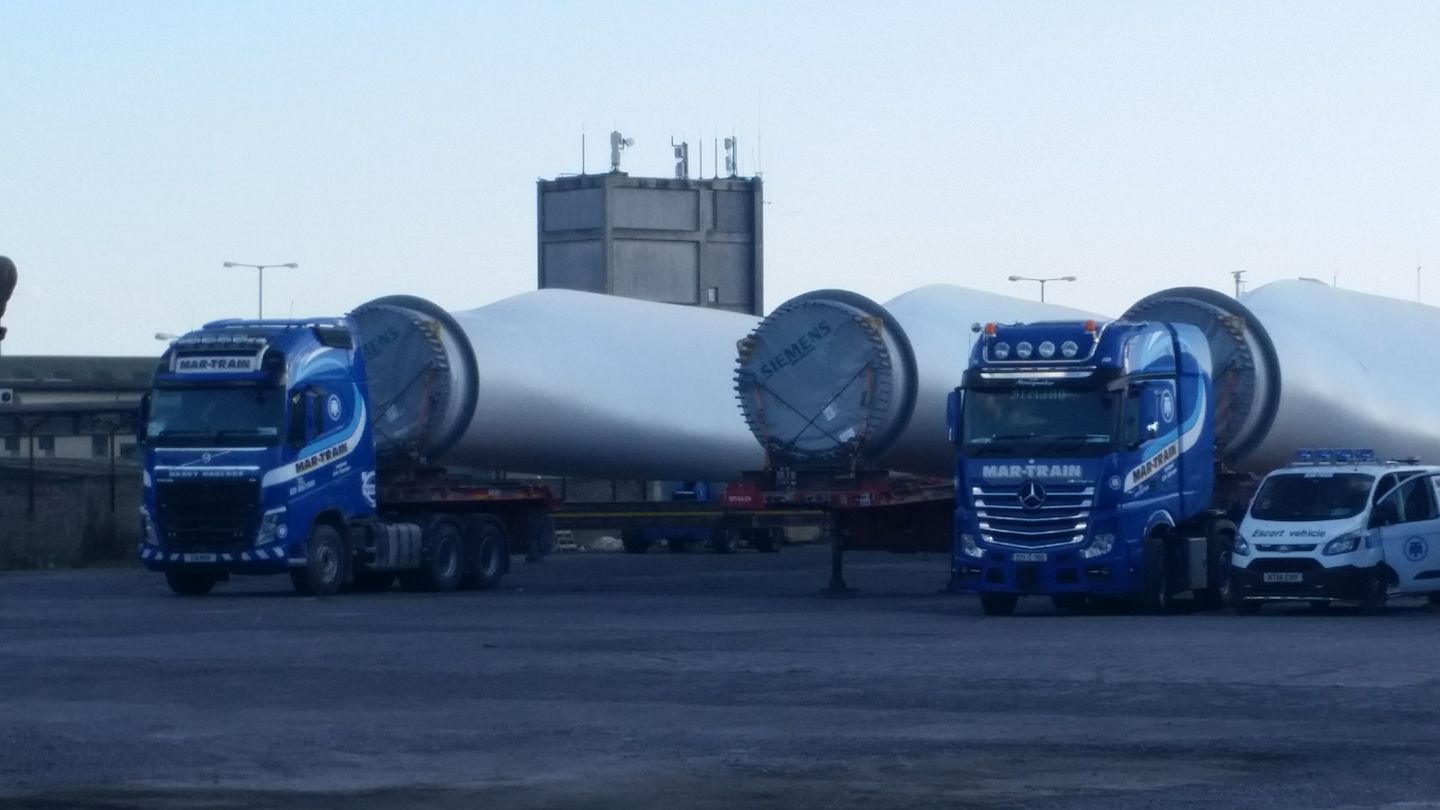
(216, 417)
(1036, 420)
(1312, 496)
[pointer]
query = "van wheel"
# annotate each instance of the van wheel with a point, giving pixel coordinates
(324, 569)
(190, 583)
(998, 604)
(1377, 593)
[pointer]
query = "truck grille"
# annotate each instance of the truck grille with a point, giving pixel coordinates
(1059, 519)
(207, 515)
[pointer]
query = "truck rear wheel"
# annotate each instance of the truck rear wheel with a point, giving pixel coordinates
(190, 583)
(324, 569)
(443, 562)
(486, 554)
(998, 604)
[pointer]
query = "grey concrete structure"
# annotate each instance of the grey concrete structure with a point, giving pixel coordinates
(677, 241)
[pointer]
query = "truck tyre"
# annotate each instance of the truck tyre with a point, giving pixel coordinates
(1377, 593)
(486, 553)
(634, 541)
(768, 541)
(1216, 593)
(324, 569)
(190, 583)
(1155, 594)
(443, 562)
(372, 581)
(998, 604)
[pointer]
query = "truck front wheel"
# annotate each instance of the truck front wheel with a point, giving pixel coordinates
(324, 569)
(1155, 582)
(190, 583)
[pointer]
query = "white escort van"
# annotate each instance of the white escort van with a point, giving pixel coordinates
(1329, 529)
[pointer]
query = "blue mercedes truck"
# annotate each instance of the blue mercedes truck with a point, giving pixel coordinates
(1087, 466)
(261, 456)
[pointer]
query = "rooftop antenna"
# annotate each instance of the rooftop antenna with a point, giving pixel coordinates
(732, 158)
(618, 143)
(582, 149)
(1239, 276)
(682, 159)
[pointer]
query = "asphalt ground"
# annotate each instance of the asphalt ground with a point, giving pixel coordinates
(698, 681)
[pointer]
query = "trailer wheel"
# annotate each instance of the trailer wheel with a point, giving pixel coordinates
(486, 555)
(444, 558)
(324, 569)
(1156, 597)
(767, 541)
(634, 541)
(190, 583)
(998, 604)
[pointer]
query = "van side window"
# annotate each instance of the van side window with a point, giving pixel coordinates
(1417, 502)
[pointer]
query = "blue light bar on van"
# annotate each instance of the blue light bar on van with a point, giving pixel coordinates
(1334, 455)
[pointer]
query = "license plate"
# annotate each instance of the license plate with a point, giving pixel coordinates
(1029, 556)
(200, 558)
(1284, 577)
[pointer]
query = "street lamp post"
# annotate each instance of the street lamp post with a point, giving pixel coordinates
(261, 268)
(1042, 282)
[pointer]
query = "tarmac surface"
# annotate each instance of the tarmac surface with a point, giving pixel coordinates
(698, 681)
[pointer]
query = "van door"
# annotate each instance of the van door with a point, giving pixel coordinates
(1408, 523)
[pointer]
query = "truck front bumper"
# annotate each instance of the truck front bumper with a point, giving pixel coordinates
(271, 559)
(1062, 571)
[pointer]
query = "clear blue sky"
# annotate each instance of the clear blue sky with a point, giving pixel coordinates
(394, 147)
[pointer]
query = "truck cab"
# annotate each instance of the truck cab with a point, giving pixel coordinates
(1085, 465)
(1337, 526)
(255, 432)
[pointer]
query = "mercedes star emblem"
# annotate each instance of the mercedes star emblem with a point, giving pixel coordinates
(1032, 495)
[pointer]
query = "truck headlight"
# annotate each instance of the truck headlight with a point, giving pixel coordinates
(1102, 544)
(1344, 544)
(272, 525)
(1241, 548)
(968, 545)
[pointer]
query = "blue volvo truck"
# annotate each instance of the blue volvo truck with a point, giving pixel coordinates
(1087, 466)
(261, 458)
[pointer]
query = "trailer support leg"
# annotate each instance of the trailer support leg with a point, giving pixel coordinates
(837, 586)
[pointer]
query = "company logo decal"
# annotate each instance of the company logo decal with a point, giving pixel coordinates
(1032, 471)
(309, 463)
(796, 351)
(1416, 549)
(367, 487)
(1150, 467)
(231, 364)
(332, 407)
(1167, 406)
(1032, 495)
